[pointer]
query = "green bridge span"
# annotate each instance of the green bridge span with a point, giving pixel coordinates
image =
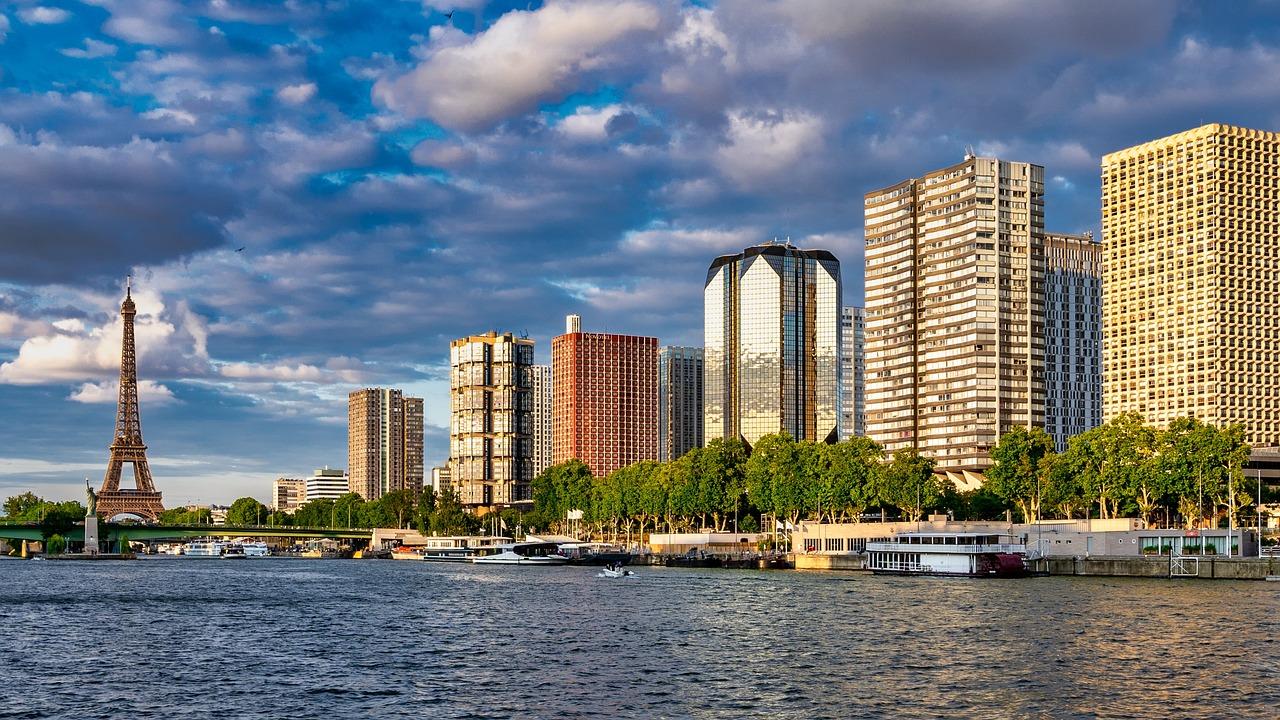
(145, 533)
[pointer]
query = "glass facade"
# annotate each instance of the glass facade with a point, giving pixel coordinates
(679, 401)
(772, 340)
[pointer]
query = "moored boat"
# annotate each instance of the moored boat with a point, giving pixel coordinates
(949, 553)
(255, 548)
(233, 551)
(204, 549)
(526, 553)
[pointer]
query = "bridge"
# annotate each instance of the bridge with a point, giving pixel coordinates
(146, 533)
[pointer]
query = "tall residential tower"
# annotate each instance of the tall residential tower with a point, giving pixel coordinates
(541, 418)
(772, 344)
(491, 419)
(1072, 335)
(1190, 286)
(384, 442)
(605, 390)
(679, 401)
(853, 408)
(955, 338)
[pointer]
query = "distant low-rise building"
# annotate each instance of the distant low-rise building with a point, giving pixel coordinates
(288, 494)
(218, 514)
(441, 479)
(327, 484)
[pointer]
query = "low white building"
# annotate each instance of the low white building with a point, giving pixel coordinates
(327, 484)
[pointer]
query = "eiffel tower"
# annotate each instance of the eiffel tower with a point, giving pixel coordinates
(127, 447)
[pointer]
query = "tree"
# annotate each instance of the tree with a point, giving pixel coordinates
(347, 511)
(317, 514)
(398, 504)
(1018, 468)
(1061, 490)
(21, 505)
(450, 519)
(247, 511)
(650, 493)
(773, 477)
(856, 462)
(561, 488)
(909, 484)
(723, 477)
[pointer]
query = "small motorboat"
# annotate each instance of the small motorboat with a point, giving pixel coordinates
(615, 573)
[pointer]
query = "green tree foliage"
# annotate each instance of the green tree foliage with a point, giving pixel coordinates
(55, 544)
(247, 511)
(317, 514)
(186, 516)
(1020, 461)
(561, 488)
(20, 506)
(449, 517)
(909, 484)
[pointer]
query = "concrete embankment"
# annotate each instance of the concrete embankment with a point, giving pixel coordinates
(1208, 568)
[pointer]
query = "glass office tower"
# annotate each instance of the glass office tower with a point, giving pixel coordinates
(772, 344)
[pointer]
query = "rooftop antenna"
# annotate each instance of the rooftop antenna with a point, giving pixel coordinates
(128, 285)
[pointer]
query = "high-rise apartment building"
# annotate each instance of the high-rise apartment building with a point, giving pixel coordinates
(441, 479)
(772, 342)
(542, 385)
(384, 442)
(491, 425)
(954, 329)
(1191, 284)
(1072, 335)
(327, 484)
(288, 494)
(605, 398)
(679, 401)
(853, 408)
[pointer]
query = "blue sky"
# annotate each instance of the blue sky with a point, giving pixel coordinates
(399, 178)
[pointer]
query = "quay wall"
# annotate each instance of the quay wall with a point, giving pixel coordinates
(1208, 568)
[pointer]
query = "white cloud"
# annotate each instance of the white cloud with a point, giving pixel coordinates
(180, 116)
(149, 393)
(41, 15)
(762, 148)
(92, 49)
(437, 153)
(522, 59)
(588, 123)
(296, 94)
(703, 243)
(4, 27)
(287, 373)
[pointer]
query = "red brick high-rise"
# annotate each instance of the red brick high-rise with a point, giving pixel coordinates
(605, 399)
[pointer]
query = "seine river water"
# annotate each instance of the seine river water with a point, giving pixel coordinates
(283, 638)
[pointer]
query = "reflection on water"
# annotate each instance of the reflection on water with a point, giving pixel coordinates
(189, 638)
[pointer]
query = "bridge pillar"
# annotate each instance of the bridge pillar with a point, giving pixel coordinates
(23, 552)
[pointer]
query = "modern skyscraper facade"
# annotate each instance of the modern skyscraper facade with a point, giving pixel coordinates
(542, 385)
(384, 442)
(1072, 335)
(954, 328)
(772, 344)
(491, 424)
(853, 406)
(605, 399)
(679, 401)
(1190, 285)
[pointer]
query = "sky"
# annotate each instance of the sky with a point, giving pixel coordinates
(314, 197)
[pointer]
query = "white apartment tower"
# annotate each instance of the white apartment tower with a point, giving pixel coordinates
(853, 409)
(954, 323)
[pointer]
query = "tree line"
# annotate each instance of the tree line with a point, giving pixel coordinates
(1190, 472)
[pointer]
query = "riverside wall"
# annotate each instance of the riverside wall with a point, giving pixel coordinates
(1207, 568)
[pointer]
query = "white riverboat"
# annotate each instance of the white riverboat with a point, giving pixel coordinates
(949, 553)
(255, 549)
(204, 548)
(526, 553)
(233, 551)
(452, 548)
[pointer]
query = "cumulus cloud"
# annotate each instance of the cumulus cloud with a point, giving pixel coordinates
(149, 393)
(76, 211)
(522, 59)
(41, 15)
(4, 27)
(296, 94)
(763, 148)
(92, 49)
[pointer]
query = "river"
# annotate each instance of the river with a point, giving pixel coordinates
(335, 639)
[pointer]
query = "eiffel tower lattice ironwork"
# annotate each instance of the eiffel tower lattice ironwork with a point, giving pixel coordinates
(127, 447)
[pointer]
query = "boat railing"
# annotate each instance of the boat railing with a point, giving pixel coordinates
(948, 549)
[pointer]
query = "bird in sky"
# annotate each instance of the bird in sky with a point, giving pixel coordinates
(240, 249)
(449, 15)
